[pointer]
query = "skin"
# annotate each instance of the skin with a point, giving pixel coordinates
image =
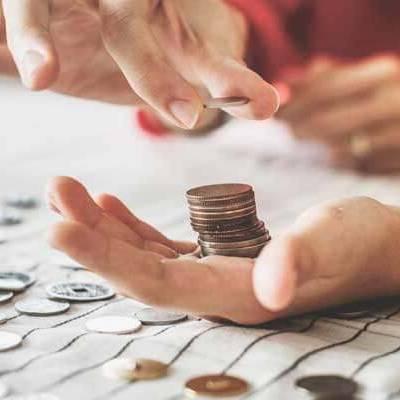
(163, 55)
(332, 101)
(332, 254)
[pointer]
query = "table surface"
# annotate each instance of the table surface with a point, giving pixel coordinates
(42, 135)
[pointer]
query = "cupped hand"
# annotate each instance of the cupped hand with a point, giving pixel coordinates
(161, 54)
(353, 108)
(333, 254)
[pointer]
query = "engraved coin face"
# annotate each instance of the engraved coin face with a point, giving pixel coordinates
(324, 385)
(9, 218)
(216, 386)
(41, 307)
(79, 291)
(113, 324)
(5, 296)
(132, 369)
(152, 316)
(9, 340)
(15, 281)
(21, 201)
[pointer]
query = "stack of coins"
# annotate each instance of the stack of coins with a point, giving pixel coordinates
(225, 217)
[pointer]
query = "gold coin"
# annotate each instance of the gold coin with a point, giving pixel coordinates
(216, 386)
(149, 369)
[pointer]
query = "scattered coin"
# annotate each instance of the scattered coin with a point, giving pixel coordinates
(151, 316)
(4, 390)
(41, 307)
(225, 217)
(5, 296)
(350, 311)
(15, 281)
(21, 201)
(9, 340)
(224, 102)
(326, 385)
(114, 324)
(79, 291)
(9, 218)
(216, 386)
(3, 319)
(131, 369)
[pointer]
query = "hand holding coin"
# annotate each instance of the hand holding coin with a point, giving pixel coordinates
(300, 270)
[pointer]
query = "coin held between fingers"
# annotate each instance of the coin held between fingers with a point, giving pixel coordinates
(225, 102)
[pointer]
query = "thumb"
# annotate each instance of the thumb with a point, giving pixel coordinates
(225, 77)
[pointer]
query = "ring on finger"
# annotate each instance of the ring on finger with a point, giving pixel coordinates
(360, 145)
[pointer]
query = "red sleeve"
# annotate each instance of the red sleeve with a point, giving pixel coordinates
(270, 47)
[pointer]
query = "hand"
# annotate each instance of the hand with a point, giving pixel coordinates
(162, 54)
(333, 254)
(354, 109)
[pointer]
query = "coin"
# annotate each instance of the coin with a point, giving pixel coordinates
(224, 102)
(113, 324)
(21, 201)
(79, 291)
(325, 385)
(3, 318)
(151, 316)
(5, 296)
(15, 281)
(131, 369)
(350, 311)
(9, 218)
(216, 386)
(41, 307)
(9, 340)
(4, 390)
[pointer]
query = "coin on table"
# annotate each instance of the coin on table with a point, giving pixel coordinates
(152, 316)
(4, 390)
(79, 291)
(326, 385)
(41, 307)
(114, 324)
(350, 311)
(5, 296)
(9, 218)
(9, 340)
(15, 281)
(216, 386)
(21, 201)
(131, 369)
(3, 318)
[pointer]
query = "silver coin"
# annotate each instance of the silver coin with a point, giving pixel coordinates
(9, 340)
(326, 385)
(21, 201)
(5, 296)
(34, 396)
(79, 291)
(41, 307)
(15, 281)
(4, 390)
(113, 324)
(9, 218)
(3, 319)
(223, 102)
(151, 316)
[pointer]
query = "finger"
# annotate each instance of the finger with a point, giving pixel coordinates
(74, 203)
(342, 82)
(131, 43)
(28, 37)
(351, 115)
(223, 289)
(116, 208)
(225, 77)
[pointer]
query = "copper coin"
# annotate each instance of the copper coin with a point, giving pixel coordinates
(222, 206)
(326, 385)
(223, 213)
(229, 236)
(216, 386)
(149, 369)
(220, 191)
(241, 223)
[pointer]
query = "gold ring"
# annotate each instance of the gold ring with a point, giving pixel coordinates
(360, 145)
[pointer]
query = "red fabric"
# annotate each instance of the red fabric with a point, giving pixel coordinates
(288, 33)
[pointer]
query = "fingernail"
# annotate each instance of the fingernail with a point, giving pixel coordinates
(185, 112)
(31, 62)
